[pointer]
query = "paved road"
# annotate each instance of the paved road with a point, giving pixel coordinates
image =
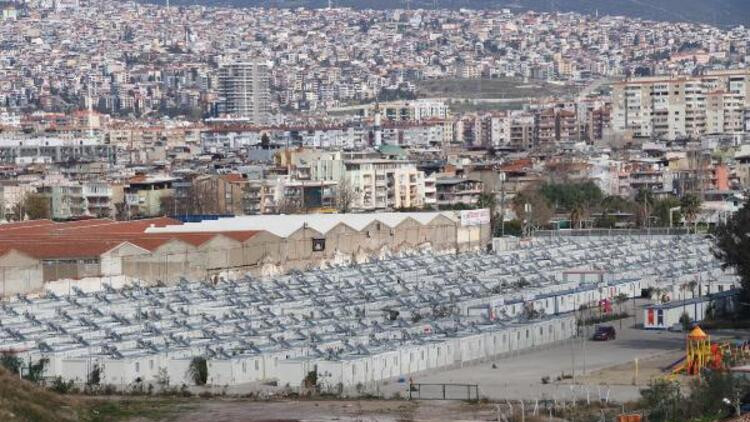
(519, 376)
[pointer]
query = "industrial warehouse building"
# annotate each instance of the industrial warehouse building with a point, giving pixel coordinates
(164, 250)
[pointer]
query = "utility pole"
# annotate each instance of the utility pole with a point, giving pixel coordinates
(502, 204)
(671, 215)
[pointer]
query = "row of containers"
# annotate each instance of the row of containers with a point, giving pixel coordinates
(348, 366)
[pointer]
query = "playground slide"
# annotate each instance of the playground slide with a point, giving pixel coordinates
(677, 365)
(679, 368)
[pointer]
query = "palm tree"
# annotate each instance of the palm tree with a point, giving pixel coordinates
(691, 206)
(691, 286)
(577, 215)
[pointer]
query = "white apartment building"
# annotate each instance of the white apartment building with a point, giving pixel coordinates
(244, 86)
(12, 195)
(10, 120)
(98, 196)
(73, 199)
(413, 110)
(499, 130)
(385, 184)
(664, 107)
(422, 134)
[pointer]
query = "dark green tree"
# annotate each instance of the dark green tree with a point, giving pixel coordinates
(566, 196)
(265, 141)
(11, 362)
(663, 401)
(732, 247)
(661, 211)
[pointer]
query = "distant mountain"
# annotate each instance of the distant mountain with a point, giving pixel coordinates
(715, 12)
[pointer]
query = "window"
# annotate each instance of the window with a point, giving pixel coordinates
(137, 367)
(318, 244)
(257, 365)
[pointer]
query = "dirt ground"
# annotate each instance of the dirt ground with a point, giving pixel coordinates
(238, 410)
(624, 374)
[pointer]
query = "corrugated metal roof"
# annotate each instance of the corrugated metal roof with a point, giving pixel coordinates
(285, 225)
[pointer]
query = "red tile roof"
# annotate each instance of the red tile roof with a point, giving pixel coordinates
(45, 239)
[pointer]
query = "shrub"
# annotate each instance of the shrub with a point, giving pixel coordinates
(311, 379)
(198, 370)
(11, 362)
(60, 386)
(36, 371)
(94, 377)
(685, 321)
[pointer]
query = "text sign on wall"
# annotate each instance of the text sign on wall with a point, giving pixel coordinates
(475, 217)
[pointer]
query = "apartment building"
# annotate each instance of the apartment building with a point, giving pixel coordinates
(414, 110)
(244, 86)
(312, 164)
(385, 184)
(291, 196)
(144, 194)
(453, 191)
(98, 197)
(680, 107)
(53, 150)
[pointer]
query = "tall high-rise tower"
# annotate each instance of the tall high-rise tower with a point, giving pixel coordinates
(244, 87)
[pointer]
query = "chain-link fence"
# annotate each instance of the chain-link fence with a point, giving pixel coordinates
(656, 231)
(420, 391)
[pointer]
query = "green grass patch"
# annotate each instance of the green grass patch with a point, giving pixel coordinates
(157, 409)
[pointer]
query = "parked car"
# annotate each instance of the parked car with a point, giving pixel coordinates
(605, 333)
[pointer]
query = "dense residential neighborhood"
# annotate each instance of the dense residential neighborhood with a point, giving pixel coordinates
(181, 110)
(512, 209)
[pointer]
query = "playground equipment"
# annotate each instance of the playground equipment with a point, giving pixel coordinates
(701, 353)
